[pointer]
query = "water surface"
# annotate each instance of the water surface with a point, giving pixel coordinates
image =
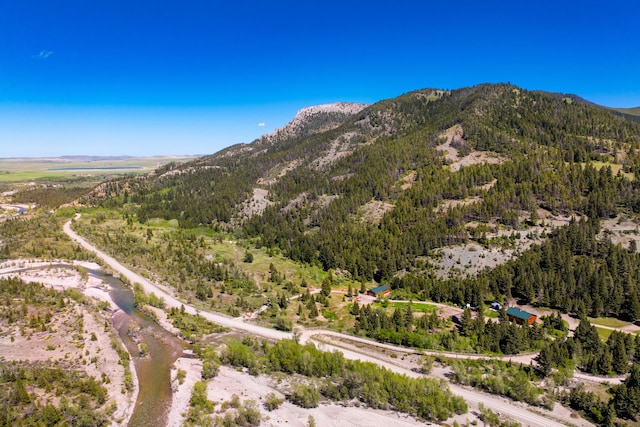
(154, 369)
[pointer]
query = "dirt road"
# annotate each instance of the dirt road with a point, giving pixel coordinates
(169, 299)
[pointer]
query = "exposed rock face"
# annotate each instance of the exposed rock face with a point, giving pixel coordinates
(312, 120)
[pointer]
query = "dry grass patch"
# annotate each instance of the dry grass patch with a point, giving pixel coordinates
(373, 211)
(408, 180)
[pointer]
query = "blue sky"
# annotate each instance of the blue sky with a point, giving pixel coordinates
(167, 77)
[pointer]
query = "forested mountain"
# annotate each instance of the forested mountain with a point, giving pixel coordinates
(376, 190)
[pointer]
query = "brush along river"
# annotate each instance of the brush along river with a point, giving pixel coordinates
(153, 391)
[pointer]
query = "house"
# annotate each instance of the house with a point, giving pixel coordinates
(521, 317)
(380, 291)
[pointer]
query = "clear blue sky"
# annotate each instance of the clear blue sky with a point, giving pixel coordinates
(144, 77)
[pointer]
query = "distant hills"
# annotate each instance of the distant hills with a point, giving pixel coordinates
(632, 113)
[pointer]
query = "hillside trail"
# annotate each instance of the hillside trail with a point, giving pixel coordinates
(515, 410)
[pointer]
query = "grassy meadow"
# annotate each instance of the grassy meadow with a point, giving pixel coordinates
(15, 170)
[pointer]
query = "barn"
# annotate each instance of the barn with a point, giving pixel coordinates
(380, 291)
(521, 317)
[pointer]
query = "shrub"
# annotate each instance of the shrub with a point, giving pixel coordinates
(181, 375)
(304, 396)
(272, 402)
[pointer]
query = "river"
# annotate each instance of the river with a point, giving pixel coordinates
(154, 369)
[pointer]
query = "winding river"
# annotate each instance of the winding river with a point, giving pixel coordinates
(153, 369)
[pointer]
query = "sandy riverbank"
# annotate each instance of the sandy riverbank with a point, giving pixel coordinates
(87, 348)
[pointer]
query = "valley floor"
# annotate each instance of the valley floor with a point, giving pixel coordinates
(50, 346)
(509, 409)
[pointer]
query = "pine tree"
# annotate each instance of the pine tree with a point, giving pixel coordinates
(545, 359)
(626, 396)
(283, 302)
(466, 323)
(355, 308)
(620, 362)
(311, 306)
(326, 287)
(408, 317)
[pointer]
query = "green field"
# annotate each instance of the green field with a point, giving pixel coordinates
(492, 314)
(259, 267)
(609, 322)
(604, 333)
(416, 307)
(70, 168)
(615, 168)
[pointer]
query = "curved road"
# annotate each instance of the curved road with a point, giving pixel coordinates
(515, 411)
(169, 300)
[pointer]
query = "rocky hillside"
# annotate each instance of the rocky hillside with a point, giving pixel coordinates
(398, 185)
(313, 120)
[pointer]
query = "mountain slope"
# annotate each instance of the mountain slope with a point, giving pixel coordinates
(380, 189)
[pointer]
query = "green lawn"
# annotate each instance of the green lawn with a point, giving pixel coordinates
(609, 322)
(492, 314)
(615, 168)
(417, 307)
(604, 333)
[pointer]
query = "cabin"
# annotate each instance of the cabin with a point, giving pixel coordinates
(521, 317)
(380, 291)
